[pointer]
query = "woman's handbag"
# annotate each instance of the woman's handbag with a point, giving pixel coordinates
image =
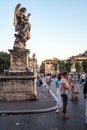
(76, 89)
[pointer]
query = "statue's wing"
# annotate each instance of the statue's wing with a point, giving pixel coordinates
(17, 9)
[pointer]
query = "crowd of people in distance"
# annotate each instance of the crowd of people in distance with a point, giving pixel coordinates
(67, 85)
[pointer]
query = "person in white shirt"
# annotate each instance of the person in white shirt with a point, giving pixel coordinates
(48, 81)
(82, 77)
(58, 95)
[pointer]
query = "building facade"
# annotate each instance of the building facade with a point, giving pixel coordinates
(51, 65)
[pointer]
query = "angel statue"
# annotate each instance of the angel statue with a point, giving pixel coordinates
(22, 27)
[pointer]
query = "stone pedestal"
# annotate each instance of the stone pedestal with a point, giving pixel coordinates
(19, 59)
(18, 83)
(17, 88)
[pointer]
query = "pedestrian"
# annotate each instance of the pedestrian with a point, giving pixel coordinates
(82, 78)
(64, 87)
(48, 81)
(74, 88)
(85, 97)
(58, 95)
(39, 82)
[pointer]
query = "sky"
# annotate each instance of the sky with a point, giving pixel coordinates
(58, 27)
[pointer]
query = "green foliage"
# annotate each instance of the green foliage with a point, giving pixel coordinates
(78, 66)
(4, 61)
(55, 65)
(61, 66)
(84, 65)
(64, 66)
(68, 66)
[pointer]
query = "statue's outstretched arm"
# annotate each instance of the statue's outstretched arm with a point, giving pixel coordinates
(29, 14)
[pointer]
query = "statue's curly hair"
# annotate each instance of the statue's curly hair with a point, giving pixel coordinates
(22, 9)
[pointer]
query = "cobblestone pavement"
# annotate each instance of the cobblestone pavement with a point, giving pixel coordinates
(48, 120)
(45, 101)
(42, 121)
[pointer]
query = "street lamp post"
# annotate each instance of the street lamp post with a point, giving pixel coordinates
(33, 60)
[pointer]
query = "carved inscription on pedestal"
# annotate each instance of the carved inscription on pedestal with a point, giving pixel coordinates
(19, 59)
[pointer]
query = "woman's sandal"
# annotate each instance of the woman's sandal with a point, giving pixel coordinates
(66, 116)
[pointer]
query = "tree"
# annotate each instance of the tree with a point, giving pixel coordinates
(84, 65)
(68, 66)
(55, 64)
(78, 66)
(4, 61)
(61, 66)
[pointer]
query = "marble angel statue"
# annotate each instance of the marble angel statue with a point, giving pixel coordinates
(22, 27)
